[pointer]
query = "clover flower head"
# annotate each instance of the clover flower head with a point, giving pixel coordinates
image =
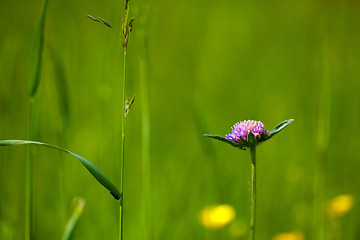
(241, 130)
(241, 138)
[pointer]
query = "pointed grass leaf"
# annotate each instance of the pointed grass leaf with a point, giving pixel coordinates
(99, 176)
(279, 127)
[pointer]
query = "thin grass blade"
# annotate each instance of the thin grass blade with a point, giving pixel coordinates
(99, 176)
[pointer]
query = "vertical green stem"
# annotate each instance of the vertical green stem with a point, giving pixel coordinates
(29, 178)
(121, 211)
(253, 192)
(122, 154)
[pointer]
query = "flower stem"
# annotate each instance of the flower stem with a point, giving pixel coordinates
(122, 162)
(253, 192)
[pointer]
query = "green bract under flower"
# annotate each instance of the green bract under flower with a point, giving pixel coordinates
(249, 133)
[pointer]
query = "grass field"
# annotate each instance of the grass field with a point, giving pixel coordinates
(195, 67)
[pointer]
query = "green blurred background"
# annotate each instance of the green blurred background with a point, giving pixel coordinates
(210, 64)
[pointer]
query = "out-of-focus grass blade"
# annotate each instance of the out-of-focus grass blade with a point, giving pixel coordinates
(61, 87)
(102, 179)
(37, 51)
(80, 204)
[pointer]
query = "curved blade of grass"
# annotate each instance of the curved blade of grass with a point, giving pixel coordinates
(80, 204)
(100, 177)
(279, 127)
(38, 48)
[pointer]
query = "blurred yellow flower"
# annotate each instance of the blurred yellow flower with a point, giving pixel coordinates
(289, 236)
(340, 205)
(217, 216)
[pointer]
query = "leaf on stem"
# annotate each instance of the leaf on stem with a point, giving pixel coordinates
(279, 127)
(222, 139)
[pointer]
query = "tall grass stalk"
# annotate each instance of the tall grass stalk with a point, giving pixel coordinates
(145, 123)
(122, 161)
(35, 76)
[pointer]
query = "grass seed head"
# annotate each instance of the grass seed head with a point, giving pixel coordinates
(105, 22)
(92, 18)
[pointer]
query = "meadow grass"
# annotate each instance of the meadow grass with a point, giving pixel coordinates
(241, 59)
(126, 27)
(35, 77)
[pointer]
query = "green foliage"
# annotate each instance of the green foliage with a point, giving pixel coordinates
(208, 62)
